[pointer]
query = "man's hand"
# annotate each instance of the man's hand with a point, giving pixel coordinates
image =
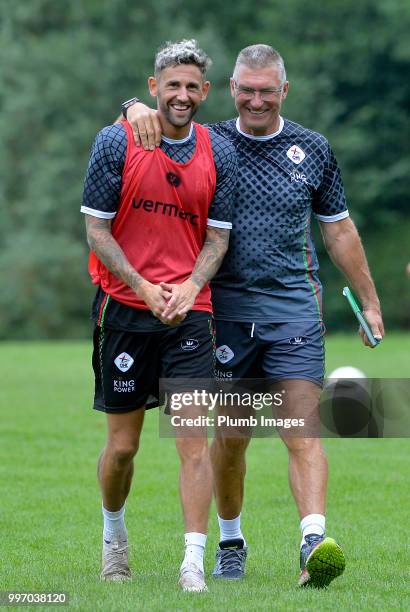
(145, 125)
(156, 298)
(181, 301)
(374, 318)
(183, 296)
(107, 249)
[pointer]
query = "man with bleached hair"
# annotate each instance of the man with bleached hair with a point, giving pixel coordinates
(158, 226)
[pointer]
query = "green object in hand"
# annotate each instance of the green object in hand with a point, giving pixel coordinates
(360, 317)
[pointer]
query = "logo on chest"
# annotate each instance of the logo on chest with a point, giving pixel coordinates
(165, 208)
(296, 154)
(173, 179)
(298, 177)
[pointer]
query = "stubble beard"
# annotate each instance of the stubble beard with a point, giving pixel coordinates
(170, 117)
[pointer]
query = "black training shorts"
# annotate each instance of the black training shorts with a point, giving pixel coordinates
(128, 365)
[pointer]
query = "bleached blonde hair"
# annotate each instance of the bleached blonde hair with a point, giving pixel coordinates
(185, 51)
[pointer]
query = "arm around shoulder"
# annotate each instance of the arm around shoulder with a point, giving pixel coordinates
(145, 124)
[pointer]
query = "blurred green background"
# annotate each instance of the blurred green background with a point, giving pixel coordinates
(66, 67)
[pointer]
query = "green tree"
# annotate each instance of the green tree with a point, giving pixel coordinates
(67, 66)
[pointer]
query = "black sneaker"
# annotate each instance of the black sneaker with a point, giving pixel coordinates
(230, 560)
(321, 560)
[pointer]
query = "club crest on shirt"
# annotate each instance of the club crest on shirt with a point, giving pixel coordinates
(295, 154)
(173, 179)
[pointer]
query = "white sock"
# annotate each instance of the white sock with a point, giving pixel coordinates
(230, 529)
(114, 526)
(194, 549)
(312, 523)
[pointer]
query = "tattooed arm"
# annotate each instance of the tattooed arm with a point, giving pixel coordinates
(107, 249)
(102, 192)
(206, 266)
(211, 256)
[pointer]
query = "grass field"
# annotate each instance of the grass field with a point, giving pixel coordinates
(50, 521)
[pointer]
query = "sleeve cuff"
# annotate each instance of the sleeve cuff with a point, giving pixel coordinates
(332, 218)
(97, 213)
(220, 224)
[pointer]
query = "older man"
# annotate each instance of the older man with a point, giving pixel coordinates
(267, 294)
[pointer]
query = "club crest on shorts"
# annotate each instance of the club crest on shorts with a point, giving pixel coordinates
(295, 154)
(224, 353)
(298, 340)
(123, 362)
(190, 344)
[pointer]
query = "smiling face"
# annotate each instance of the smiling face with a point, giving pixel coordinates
(258, 94)
(179, 91)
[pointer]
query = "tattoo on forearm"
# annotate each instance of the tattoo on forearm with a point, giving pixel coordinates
(211, 255)
(108, 250)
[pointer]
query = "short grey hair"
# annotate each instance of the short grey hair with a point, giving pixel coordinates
(260, 56)
(185, 51)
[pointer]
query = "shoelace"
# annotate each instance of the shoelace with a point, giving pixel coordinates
(231, 559)
(313, 538)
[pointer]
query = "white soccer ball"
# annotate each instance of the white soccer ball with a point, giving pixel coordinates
(347, 375)
(346, 402)
(346, 372)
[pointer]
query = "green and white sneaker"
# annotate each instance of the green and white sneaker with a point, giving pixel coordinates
(321, 560)
(115, 561)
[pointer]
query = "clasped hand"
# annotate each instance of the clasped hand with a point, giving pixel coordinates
(169, 302)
